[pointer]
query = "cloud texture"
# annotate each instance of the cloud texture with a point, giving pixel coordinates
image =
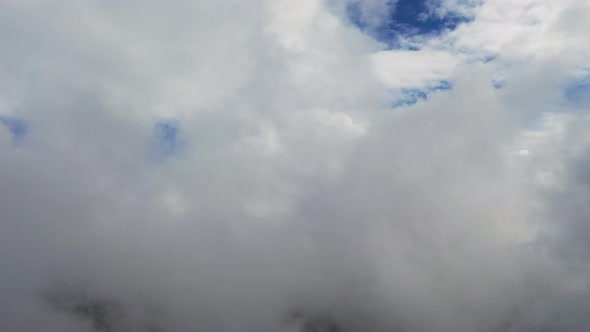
(238, 166)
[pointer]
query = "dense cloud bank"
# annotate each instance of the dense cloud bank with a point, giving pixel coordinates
(238, 166)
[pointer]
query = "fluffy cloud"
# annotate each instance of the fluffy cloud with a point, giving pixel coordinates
(238, 165)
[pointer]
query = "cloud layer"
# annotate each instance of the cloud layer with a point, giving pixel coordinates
(248, 166)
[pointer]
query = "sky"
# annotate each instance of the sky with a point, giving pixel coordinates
(294, 166)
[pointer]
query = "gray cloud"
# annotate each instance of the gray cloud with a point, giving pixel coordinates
(300, 201)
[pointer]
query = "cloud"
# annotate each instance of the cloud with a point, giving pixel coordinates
(413, 69)
(292, 196)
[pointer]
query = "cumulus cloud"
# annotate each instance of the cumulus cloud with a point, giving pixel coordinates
(238, 166)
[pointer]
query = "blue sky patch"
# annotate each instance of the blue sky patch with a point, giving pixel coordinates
(412, 96)
(166, 140)
(578, 92)
(409, 18)
(499, 84)
(18, 128)
(489, 58)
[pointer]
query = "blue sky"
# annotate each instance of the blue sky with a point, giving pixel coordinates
(407, 18)
(578, 91)
(166, 141)
(18, 128)
(411, 96)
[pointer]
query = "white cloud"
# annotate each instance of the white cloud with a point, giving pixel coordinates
(300, 198)
(5, 137)
(413, 69)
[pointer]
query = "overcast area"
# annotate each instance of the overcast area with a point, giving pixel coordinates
(295, 166)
